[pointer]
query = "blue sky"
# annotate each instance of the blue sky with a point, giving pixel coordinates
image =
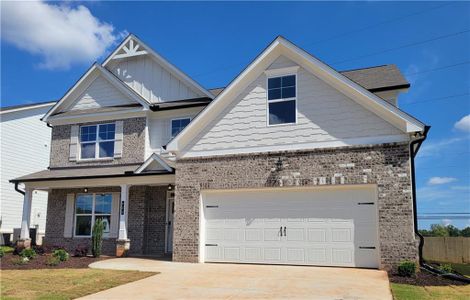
(213, 41)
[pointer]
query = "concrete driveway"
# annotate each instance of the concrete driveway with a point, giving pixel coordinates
(237, 281)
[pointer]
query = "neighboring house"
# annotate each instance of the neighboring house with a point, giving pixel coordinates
(292, 163)
(25, 147)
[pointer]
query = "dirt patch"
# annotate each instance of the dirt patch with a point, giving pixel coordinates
(40, 262)
(424, 278)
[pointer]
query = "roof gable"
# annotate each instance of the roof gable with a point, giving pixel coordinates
(278, 47)
(79, 90)
(132, 49)
(154, 163)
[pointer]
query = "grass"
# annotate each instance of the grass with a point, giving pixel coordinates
(463, 269)
(7, 249)
(61, 284)
(412, 292)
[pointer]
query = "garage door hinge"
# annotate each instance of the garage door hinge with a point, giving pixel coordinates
(366, 247)
(365, 203)
(211, 245)
(212, 206)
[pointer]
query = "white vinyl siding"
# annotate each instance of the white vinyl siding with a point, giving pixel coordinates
(100, 93)
(152, 81)
(25, 148)
(323, 115)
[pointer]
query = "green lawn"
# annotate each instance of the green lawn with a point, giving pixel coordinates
(412, 292)
(55, 284)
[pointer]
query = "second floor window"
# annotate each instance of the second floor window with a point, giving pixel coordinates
(281, 100)
(97, 141)
(177, 125)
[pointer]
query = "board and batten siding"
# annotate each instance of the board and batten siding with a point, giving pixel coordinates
(152, 81)
(159, 127)
(100, 93)
(324, 115)
(25, 148)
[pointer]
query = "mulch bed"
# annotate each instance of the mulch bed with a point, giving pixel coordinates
(39, 262)
(424, 278)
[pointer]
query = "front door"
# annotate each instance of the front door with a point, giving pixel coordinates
(170, 211)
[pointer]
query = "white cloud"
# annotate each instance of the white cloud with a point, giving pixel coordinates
(446, 222)
(463, 124)
(436, 148)
(441, 180)
(61, 34)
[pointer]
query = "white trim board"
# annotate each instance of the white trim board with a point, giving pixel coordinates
(154, 157)
(278, 47)
(300, 146)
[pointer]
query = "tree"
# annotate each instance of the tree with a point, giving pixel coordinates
(465, 232)
(453, 231)
(439, 230)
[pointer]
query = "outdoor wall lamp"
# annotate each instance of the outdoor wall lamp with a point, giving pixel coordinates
(85, 190)
(170, 187)
(279, 164)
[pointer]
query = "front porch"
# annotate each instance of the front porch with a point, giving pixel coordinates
(137, 211)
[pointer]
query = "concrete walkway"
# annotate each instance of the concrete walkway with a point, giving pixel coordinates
(236, 281)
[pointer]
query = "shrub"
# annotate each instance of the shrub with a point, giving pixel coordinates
(2, 253)
(97, 238)
(446, 268)
(52, 261)
(407, 268)
(81, 251)
(28, 253)
(60, 254)
(20, 260)
(7, 249)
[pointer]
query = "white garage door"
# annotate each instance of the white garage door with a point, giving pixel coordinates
(320, 226)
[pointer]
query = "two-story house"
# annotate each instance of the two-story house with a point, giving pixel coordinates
(292, 163)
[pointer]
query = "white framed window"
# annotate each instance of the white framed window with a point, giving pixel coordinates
(89, 208)
(97, 141)
(178, 124)
(282, 100)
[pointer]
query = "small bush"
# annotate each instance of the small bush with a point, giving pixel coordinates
(20, 261)
(81, 251)
(28, 253)
(407, 268)
(2, 253)
(7, 249)
(97, 238)
(60, 254)
(446, 268)
(52, 261)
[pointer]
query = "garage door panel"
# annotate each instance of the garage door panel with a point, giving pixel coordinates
(322, 227)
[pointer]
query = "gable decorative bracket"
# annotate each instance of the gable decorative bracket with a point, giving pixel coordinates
(130, 49)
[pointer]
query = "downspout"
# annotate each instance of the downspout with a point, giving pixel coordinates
(18, 190)
(418, 141)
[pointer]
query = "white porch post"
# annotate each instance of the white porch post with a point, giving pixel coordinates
(123, 208)
(25, 220)
(123, 243)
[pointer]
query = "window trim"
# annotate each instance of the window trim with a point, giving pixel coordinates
(277, 75)
(93, 215)
(175, 119)
(96, 142)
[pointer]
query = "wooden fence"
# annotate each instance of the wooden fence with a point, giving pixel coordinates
(447, 249)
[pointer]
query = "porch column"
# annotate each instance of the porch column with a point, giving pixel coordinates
(123, 243)
(25, 240)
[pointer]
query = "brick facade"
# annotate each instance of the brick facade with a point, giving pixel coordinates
(387, 166)
(146, 220)
(133, 145)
